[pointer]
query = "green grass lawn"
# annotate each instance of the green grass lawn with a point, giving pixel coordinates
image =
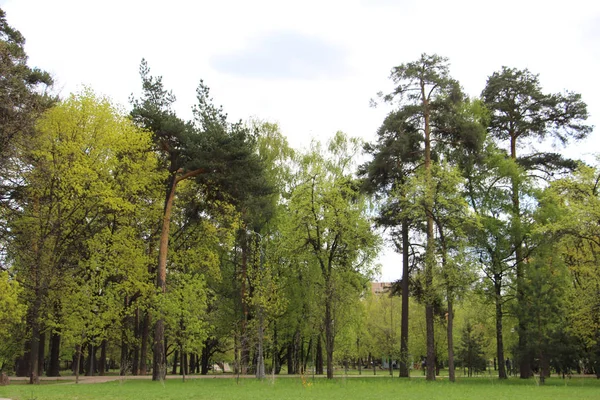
(296, 388)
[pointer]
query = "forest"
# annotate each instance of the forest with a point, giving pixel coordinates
(136, 241)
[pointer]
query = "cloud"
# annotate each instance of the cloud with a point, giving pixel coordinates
(284, 55)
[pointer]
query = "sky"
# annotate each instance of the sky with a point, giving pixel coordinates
(311, 66)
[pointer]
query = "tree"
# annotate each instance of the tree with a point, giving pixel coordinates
(217, 154)
(571, 208)
(22, 90)
(396, 154)
(488, 195)
(70, 184)
(429, 100)
(521, 111)
(471, 354)
(329, 220)
(11, 313)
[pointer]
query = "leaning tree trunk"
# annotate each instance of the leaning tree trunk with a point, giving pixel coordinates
(159, 370)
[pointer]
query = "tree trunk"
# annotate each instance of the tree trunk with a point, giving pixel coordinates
(404, 367)
(451, 375)
(183, 368)
(102, 361)
(192, 363)
(260, 360)
(22, 364)
(144, 345)
(276, 366)
(499, 315)
(159, 370)
(124, 358)
(135, 362)
(430, 245)
(204, 360)
(54, 364)
(329, 337)
(175, 362)
(319, 358)
(244, 343)
(42, 353)
(91, 362)
(524, 359)
(290, 359)
(34, 349)
(77, 362)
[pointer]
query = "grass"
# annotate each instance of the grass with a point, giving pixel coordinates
(298, 388)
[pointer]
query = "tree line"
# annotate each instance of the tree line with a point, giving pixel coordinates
(136, 239)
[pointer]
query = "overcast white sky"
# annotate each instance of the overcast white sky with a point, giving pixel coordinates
(311, 66)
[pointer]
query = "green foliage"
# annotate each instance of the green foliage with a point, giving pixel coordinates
(471, 354)
(22, 88)
(11, 314)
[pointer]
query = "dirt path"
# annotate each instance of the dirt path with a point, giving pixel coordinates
(69, 379)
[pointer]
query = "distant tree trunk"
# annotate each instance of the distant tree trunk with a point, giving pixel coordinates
(183, 367)
(22, 365)
(124, 357)
(205, 356)
(42, 354)
(175, 362)
(499, 315)
(245, 346)
(276, 366)
(144, 345)
(329, 336)
(192, 363)
(34, 350)
(359, 358)
(404, 368)
(54, 364)
(125, 361)
(319, 357)
(102, 360)
(290, 359)
(135, 362)
(451, 375)
(91, 363)
(77, 362)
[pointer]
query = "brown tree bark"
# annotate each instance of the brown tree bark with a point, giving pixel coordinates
(159, 370)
